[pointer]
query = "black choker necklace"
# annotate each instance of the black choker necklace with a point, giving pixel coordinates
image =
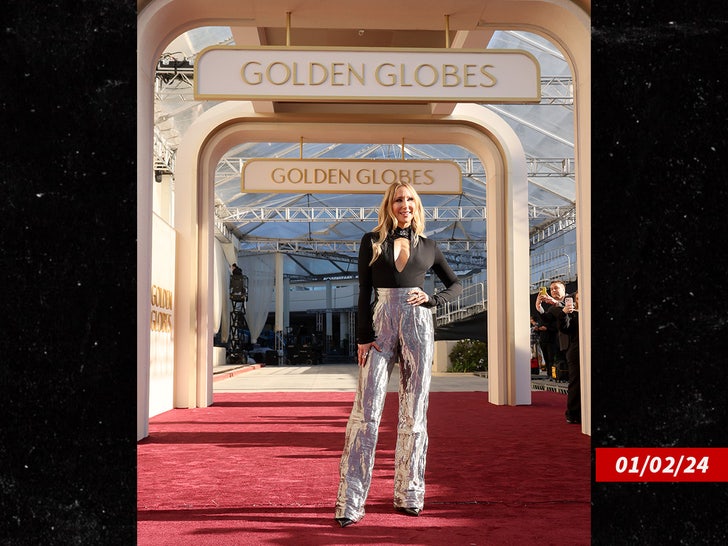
(405, 233)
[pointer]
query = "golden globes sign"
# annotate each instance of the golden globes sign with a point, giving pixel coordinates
(348, 175)
(366, 75)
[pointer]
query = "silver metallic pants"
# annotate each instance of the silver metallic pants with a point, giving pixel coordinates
(405, 334)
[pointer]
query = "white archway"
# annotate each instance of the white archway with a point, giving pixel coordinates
(470, 126)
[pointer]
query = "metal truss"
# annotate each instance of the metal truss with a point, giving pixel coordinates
(555, 212)
(316, 249)
(173, 83)
(557, 90)
(550, 167)
(338, 248)
(171, 69)
(164, 155)
(538, 167)
(222, 232)
(564, 222)
(459, 252)
(244, 215)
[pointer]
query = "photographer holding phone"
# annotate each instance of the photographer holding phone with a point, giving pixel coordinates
(568, 324)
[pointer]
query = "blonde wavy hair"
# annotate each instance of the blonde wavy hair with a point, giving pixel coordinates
(388, 221)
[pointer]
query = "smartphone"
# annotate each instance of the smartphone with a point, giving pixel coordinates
(542, 290)
(568, 301)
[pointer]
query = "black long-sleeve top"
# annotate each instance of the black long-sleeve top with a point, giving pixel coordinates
(383, 274)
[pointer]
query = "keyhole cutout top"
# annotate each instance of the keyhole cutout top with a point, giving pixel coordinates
(401, 253)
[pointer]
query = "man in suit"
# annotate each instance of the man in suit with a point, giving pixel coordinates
(558, 341)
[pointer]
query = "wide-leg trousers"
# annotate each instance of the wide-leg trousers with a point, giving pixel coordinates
(405, 334)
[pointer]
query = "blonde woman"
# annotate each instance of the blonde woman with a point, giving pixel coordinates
(396, 327)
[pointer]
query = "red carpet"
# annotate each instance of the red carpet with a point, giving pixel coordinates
(262, 468)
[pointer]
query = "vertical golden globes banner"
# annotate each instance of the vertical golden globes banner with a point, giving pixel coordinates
(161, 323)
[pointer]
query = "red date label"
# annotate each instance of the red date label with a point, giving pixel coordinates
(668, 464)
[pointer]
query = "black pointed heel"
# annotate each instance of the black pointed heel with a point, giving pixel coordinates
(345, 522)
(409, 511)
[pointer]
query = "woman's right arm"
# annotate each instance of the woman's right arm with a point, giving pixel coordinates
(365, 330)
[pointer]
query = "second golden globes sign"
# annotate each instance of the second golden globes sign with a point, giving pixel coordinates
(348, 175)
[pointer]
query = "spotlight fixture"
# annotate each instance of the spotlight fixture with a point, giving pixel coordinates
(157, 176)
